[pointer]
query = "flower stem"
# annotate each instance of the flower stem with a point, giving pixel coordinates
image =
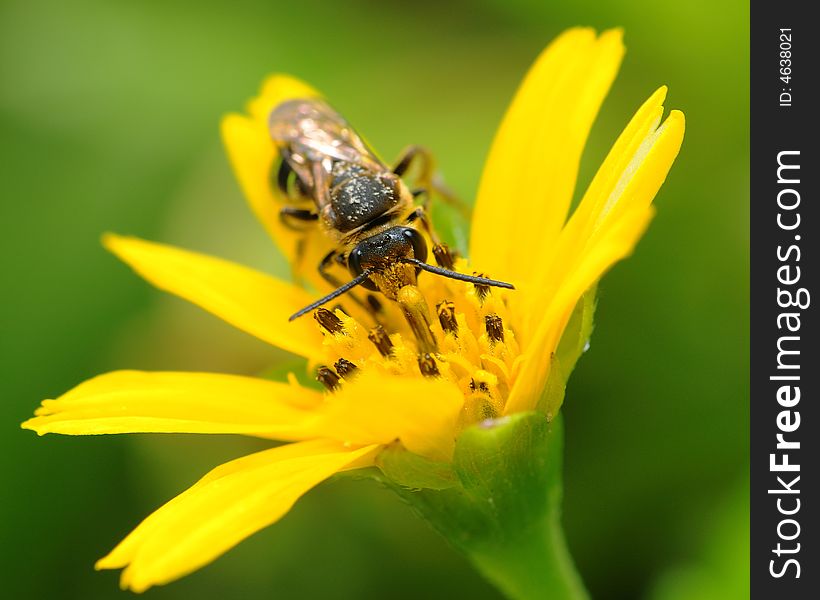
(535, 565)
(501, 506)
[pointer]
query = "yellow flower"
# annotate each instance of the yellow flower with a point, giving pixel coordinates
(493, 349)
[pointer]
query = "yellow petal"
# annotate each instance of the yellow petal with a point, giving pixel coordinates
(252, 301)
(377, 409)
(604, 228)
(634, 169)
(617, 243)
(229, 504)
(628, 180)
(371, 409)
(530, 174)
(167, 402)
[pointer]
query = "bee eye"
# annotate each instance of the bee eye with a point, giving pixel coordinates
(354, 261)
(417, 240)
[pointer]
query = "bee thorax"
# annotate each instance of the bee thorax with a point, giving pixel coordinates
(360, 198)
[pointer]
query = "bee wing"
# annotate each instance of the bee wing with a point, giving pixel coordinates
(314, 131)
(320, 179)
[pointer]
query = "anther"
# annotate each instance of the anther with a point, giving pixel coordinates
(381, 340)
(444, 257)
(344, 367)
(447, 317)
(494, 327)
(327, 378)
(329, 322)
(480, 386)
(427, 365)
(481, 290)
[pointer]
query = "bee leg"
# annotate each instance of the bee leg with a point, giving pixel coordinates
(290, 216)
(449, 196)
(283, 176)
(424, 179)
(444, 257)
(421, 215)
(413, 154)
(324, 264)
(288, 181)
(428, 180)
(373, 308)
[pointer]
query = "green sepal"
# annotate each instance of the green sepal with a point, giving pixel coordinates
(506, 470)
(571, 346)
(414, 472)
(576, 334)
(552, 396)
(503, 510)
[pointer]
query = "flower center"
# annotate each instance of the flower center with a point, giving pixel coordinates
(442, 328)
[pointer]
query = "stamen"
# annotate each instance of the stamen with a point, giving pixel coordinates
(414, 307)
(443, 256)
(494, 327)
(447, 317)
(344, 367)
(481, 290)
(427, 365)
(327, 378)
(483, 401)
(381, 340)
(329, 322)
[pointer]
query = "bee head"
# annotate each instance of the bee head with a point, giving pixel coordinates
(384, 249)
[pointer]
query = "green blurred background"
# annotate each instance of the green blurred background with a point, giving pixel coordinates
(109, 114)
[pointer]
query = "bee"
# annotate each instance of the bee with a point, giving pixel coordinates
(331, 178)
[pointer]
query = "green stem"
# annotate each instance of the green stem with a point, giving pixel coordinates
(534, 565)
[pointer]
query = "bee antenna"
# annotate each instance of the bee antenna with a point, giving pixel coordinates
(358, 280)
(454, 275)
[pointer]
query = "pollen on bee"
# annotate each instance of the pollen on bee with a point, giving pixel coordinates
(416, 312)
(381, 340)
(328, 378)
(328, 321)
(427, 365)
(344, 367)
(495, 328)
